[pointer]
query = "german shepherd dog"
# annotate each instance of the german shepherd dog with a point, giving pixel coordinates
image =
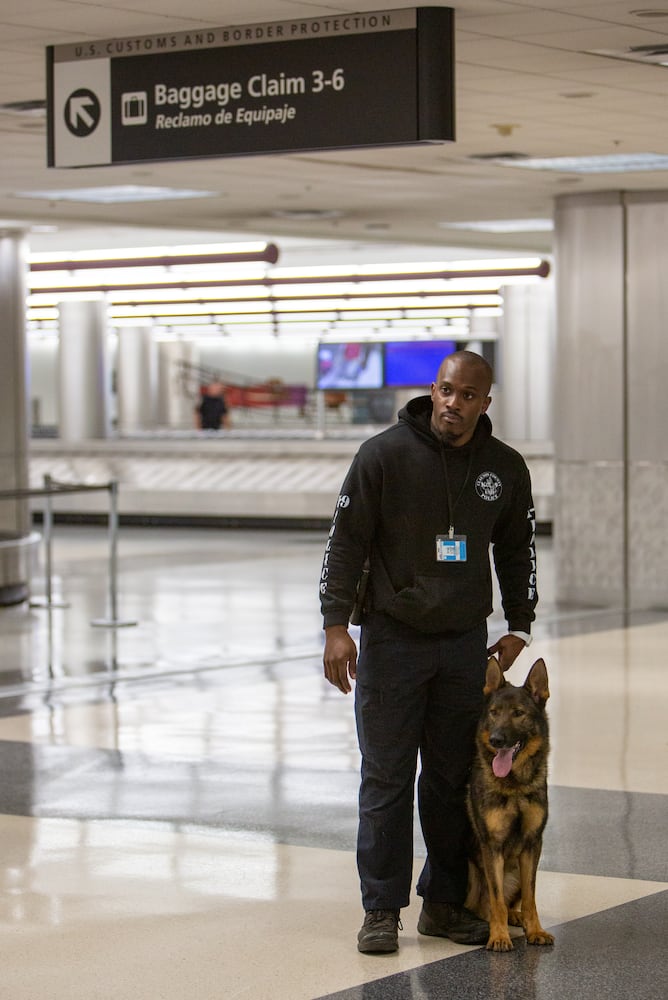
(507, 804)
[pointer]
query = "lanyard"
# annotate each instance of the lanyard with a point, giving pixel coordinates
(448, 493)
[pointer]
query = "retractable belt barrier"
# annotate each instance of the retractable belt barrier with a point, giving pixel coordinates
(51, 489)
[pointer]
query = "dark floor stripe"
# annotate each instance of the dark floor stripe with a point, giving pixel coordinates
(593, 832)
(620, 952)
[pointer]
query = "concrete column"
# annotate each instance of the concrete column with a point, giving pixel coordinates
(83, 369)
(483, 338)
(16, 541)
(136, 369)
(611, 443)
(177, 389)
(526, 362)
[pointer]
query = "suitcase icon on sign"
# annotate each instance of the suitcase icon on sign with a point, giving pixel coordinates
(134, 108)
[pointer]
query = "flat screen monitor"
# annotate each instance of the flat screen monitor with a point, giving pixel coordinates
(414, 363)
(350, 365)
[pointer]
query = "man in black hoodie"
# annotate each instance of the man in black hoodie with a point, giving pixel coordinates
(421, 505)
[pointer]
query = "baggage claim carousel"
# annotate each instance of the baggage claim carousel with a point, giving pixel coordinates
(264, 478)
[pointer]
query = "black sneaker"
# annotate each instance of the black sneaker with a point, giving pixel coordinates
(454, 922)
(379, 932)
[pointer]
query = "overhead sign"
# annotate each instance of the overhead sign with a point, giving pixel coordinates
(377, 78)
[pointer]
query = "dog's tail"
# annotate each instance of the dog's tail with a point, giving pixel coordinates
(477, 898)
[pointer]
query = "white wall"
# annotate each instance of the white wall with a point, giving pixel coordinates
(262, 358)
(43, 361)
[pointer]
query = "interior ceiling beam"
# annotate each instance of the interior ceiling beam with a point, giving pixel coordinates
(265, 255)
(541, 270)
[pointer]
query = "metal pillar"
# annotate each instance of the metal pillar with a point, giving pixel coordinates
(16, 543)
(84, 380)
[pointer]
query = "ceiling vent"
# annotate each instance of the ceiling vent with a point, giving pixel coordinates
(496, 157)
(306, 214)
(24, 109)
(650, 55)
(19, 117)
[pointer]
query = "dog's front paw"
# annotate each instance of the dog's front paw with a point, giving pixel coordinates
(540, 937)
(500, 942)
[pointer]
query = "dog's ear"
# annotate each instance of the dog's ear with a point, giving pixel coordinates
(536, 683)
(494, 678)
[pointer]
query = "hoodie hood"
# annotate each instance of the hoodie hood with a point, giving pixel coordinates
(417, 414)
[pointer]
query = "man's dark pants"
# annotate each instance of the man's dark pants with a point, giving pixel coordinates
(415, 692)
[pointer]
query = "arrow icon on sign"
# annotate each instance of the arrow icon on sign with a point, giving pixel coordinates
(82, 112)
(78, 112)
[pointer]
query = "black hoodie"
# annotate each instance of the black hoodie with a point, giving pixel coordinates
(393, 505)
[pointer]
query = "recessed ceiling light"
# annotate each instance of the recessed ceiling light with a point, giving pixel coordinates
(117, 194)
(503, 226)
(615, 163)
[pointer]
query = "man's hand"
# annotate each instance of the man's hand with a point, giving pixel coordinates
(507, 649)
(340, 657)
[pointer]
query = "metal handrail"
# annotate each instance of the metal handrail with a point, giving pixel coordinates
(53, 488)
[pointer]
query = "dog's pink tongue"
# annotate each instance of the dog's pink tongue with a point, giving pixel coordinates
(502, 763)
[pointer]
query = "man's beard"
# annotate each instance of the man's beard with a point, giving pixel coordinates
(448, 435)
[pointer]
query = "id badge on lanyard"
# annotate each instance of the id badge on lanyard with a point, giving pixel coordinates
(451, 548)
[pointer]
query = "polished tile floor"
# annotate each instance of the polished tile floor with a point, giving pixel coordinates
(178, 796)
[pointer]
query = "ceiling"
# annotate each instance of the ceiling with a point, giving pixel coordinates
(525, 83)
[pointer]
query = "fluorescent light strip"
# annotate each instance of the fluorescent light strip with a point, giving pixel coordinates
(284, 311)
(117, 194)
(432, 269)
(166, 290)
(502, 226)
(262, 298)
(614, 163)
(139, 253)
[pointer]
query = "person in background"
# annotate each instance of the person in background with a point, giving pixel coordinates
(419, 508)
(212, 412)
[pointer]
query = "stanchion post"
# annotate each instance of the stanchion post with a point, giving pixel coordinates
(320, 413)
(47, 524)
(48, 529)
(113, 549)
(113, 621)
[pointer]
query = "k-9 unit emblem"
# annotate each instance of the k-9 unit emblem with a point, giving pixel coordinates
(488, 486)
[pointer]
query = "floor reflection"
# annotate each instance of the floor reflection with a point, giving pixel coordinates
(181, 795)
